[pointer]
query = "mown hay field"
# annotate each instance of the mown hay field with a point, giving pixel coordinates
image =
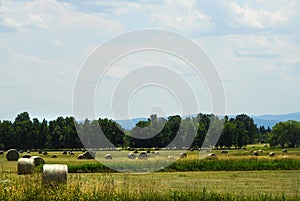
(278, 180)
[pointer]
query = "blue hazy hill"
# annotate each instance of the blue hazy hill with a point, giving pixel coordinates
(261, 120)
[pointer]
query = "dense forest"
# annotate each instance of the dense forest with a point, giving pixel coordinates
(27, 133)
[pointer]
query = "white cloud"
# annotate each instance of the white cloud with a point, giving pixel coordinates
(182, 16)
(262, 14)
(50, 14)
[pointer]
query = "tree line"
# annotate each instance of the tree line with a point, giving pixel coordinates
(174, 132)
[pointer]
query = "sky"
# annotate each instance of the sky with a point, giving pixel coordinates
(254, 45)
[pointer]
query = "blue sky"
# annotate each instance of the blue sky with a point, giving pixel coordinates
(255, 46)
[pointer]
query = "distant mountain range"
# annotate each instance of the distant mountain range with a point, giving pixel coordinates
(261, 120)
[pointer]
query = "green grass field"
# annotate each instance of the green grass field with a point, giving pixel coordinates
(279, 179)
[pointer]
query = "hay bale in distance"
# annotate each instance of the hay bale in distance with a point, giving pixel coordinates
(25, 166)
(53, 156)
(143, 156)
(12, 155)
(45, 153)
(131, 155)
(272, 154)
(89, 155)
(40, 151)
(108, 157)
(65, 152)
(54, 174)
(182, 155)
(255, 153)
(284, 151)
(1, 152)
(27, 156)
(224, 152)
(211, 156)
(37, 160)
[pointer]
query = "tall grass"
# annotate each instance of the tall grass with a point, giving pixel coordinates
(29, 188)
(223, 164)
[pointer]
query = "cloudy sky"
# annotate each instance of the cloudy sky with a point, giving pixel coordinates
(255, 46)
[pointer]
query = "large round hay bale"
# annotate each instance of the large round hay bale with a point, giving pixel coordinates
(108, 157)
(65, 152)
(255, 153)
(12, 155)
(45, 153)
(143, 155)
(53, 156)
(284, 151)
(25, 166)
(1, 152)
(131, 156)
(37, 160)
(54, 174)
(40, 151)
(224, 152)
(80, 156)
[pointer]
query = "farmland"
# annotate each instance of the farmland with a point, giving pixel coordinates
(191, 178)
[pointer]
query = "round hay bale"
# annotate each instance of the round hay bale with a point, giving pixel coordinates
(211, 156)
(45, 153)
(143, 156)
(131, 156)
(27, 156)
(53, 156)
(272, 154)
(54, 174)
(255, 153)
(171, 157)
(89, 155)
(37, 160)
(284, 151)
(265, 145)
(80, 156)
(224, 152)
(72, 154)
(40, 151)
(156, 153)
(260, 151)
(25, 166)
(182, 155)
(65, 152)
(28, 151)
(21, 151)
(12, 155)
(108, 157)
(1, 152)
(135, 151)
